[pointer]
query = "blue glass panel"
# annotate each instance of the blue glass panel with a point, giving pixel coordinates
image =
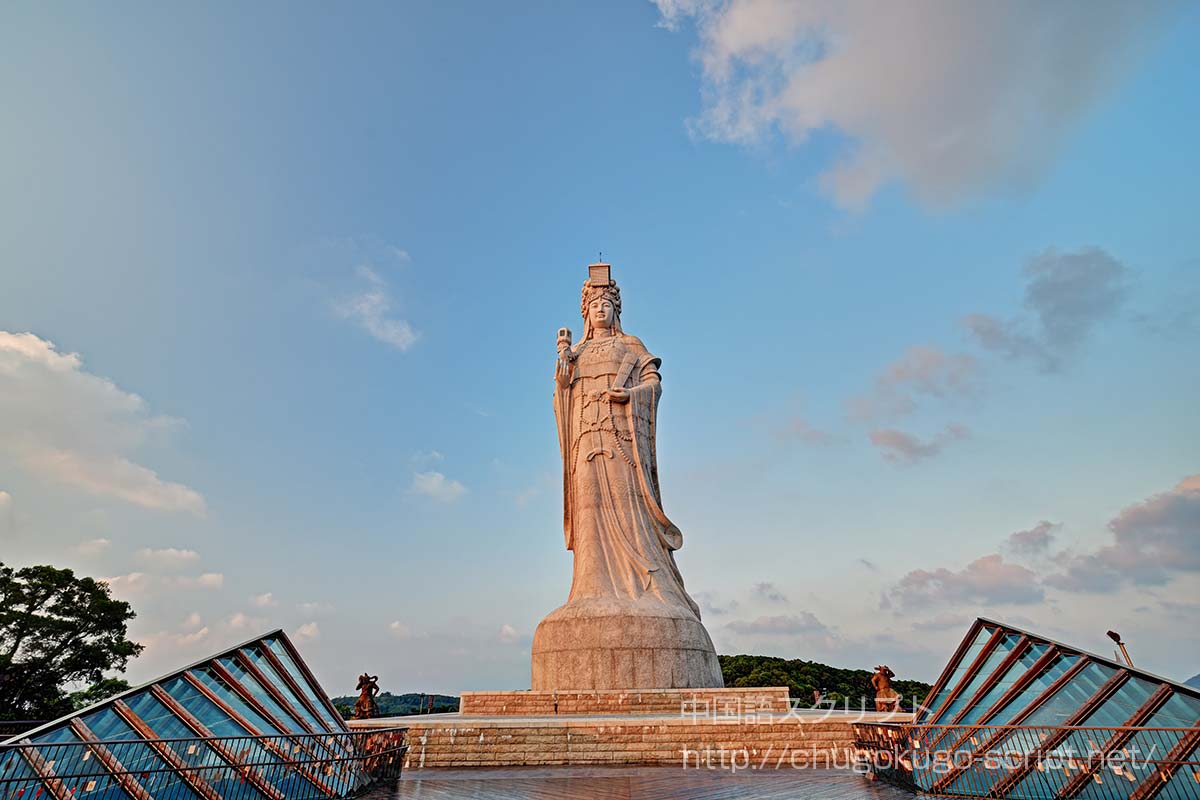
(1181, 711)
(14, 767)
(1056, 669)
(1014, 673)
(960, 669)
(151, 771)
(1185, 783)
(1117, 709)
(248, 750)
(235, 701)
(210, 766)
(203, 709)
(78, 769)
(1067, 700)
(333, 722)
(998, 654)
(264, 666)
(248, 682)
(1052, 712)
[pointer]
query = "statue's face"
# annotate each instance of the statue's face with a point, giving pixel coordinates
(601, 313)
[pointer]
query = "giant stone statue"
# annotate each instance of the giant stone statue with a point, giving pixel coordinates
(628, 622)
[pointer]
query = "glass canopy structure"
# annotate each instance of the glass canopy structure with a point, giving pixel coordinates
(250, 723)
(1018, 715)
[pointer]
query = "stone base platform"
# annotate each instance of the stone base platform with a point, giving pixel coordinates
(798, 738)
(666, 702)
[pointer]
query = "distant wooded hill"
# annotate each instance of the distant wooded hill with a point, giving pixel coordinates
(399, 705)
(802, 677)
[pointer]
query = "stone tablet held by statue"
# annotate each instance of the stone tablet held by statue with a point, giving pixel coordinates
(628, 622)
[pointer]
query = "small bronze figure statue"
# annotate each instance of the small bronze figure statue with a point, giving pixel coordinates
(886, 698)
(365, 706)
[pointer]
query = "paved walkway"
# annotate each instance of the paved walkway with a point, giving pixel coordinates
(634, 783)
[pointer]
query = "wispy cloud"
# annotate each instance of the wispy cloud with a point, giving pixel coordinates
(803, 623)
(371, 310)
(308, 632)
(988, 580)
(142, 582)
(1035, 541)
(264, 600)
(905, 448)
(79, 430)
(769, 592)
(1152, 541)
(168, 557)
(437, 486)
(919, 371)
(93, 547)
(989, 106)
(1067, 295)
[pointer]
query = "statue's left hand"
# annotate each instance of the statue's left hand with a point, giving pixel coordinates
(618, 395)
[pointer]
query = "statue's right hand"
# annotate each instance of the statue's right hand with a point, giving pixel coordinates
(562, 374)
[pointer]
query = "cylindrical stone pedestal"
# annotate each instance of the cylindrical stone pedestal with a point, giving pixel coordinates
(658, 648)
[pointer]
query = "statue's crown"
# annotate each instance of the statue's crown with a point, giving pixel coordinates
(600, 284)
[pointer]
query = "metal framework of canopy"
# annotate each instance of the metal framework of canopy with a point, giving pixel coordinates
(1010, 692)
(248, 722)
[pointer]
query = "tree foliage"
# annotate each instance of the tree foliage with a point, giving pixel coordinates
(399, 705)
(841, 686)
(58, 630)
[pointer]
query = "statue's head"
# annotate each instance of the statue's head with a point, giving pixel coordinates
(600, 306)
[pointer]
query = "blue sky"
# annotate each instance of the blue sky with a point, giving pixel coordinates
(919, 284)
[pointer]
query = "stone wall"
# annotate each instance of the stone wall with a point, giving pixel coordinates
(727, 702)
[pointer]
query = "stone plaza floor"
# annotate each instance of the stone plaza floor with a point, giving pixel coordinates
(634, 783)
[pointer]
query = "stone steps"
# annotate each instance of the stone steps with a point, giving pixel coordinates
(455, 740)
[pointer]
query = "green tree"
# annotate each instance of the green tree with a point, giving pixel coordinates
(58, 630)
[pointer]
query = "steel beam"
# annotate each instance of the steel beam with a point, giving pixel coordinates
(190, 775)
(115, 768)
(200, 729)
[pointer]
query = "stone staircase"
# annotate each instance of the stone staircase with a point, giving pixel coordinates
(761, 740)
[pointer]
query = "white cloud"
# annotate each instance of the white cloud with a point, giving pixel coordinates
(77, 429)
(314, 607)
(168, 556)
(400, 630)
(241, 621)
(192, 620)
(170, 641)
(370, 310)
(209, 580)
(194, 636)
(6, 501)
(264, 600)
(508, 634)
(951, 98)
(93, 547)
(437, 486)
(134, 582)
(307, 632)
(143, 583)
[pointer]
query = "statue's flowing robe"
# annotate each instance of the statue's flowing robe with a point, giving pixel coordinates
(612, 507)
